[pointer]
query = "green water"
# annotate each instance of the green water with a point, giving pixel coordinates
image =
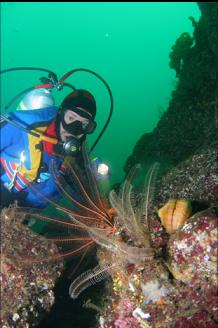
(128, 44)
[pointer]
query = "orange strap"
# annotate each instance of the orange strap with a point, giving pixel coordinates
(52, 140)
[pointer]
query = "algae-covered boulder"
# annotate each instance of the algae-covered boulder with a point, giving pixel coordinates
(26, 283)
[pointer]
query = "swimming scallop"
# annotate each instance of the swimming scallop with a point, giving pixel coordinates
(174, 214)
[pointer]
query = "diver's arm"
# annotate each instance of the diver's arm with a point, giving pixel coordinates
(44, 190)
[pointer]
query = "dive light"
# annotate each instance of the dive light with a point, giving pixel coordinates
(100, 169)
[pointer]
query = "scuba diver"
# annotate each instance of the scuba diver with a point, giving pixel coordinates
(26, 159)
(39, 134)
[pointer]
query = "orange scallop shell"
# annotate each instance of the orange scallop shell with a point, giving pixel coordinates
(174, 214)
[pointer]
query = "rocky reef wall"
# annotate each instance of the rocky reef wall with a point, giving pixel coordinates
(189, 123)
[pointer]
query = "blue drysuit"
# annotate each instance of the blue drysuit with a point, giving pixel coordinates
(25, 162)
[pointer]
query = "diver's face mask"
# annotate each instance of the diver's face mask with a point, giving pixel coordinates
(75, 124)
(72, 129)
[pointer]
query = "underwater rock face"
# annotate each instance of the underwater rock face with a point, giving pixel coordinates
(195, 179)
(178, 287)
(146, 295)
(26, 288)
(190, 121)
(193, 250)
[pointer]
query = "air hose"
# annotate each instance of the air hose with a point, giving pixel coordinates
(50, 83)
